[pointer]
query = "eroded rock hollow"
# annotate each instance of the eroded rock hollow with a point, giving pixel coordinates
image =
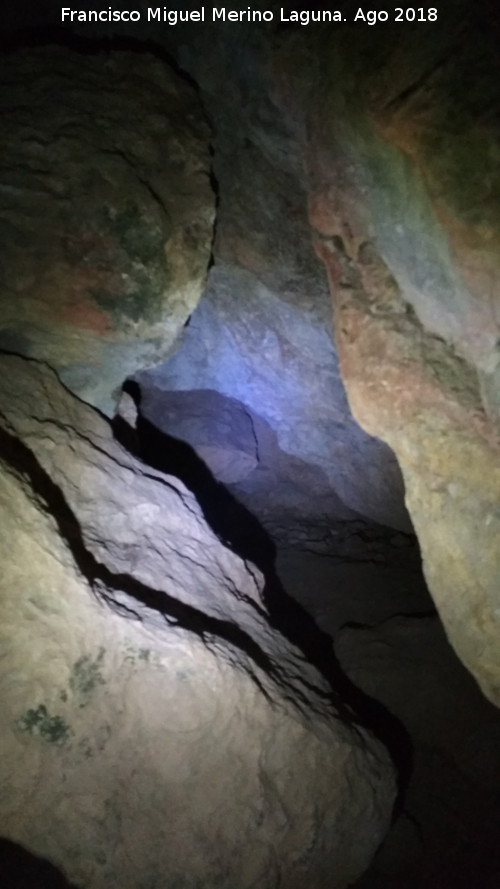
(250, 533)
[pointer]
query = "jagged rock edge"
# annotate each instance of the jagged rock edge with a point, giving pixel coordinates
(101, 579)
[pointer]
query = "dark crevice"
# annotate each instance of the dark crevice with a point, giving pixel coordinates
(235, 525)
(24, 463)
(294, 622)
(214, 184)
(407, 615)
(231, 522)
(424, 80)
(21, 869)
(238, 526)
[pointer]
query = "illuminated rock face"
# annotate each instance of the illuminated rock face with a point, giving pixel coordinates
(156, 730)
(107, 212)
(116, 724)
(262, 332)
(404, 207)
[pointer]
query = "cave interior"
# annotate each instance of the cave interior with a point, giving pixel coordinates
(234, 255)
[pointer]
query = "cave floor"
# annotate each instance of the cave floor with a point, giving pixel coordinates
(391, 644)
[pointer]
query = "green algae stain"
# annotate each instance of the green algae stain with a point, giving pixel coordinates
(134, 654)
(39, 723)
(86, 674)
(140, 237)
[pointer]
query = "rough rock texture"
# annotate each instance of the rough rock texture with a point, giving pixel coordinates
(99, 298)
(404, 203)
(261, 334)
(219, 429)
(447, 834)
(155, 729)
(106, 212)
(391, 644)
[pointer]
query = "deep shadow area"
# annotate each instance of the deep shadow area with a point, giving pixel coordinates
(230, 520)
(446, 834)
(20, 869)
(235, 525)
(102, 581)
(16, 36)
(285, 614)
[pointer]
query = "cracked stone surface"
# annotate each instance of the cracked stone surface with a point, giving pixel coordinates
(156, 729)
(106, 212)
(399, 138)
(391, 644)
(262, 332)
(409, 243)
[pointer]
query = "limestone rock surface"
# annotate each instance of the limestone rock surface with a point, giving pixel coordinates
(155, 729)
(261, 334)
(106, 212)
(219, 429)
(404, 205)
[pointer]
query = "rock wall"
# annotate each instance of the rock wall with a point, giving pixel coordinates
(261, 334)
(107, 212)
(401, 150)
(155, 729)
(120, 235)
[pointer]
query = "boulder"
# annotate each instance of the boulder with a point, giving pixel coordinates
(106, 212)
(156, 729)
